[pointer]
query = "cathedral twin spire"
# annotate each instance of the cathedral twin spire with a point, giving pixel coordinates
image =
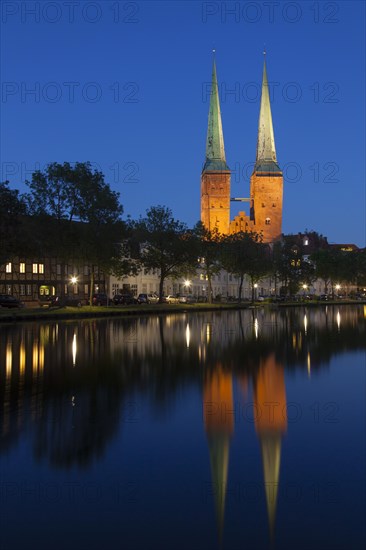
(215, 149)
(266, 159)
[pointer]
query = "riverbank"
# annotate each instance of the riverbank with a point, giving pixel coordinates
(36, 314)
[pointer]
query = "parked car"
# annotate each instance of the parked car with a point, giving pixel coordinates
(9, 301)
(147, 299)
(323, 297)
(182, 299)
(124, 298)
(100, 299)
(59, 301)
(170, 299)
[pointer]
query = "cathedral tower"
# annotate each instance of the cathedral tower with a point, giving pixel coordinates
(266, 183)
(215, 178)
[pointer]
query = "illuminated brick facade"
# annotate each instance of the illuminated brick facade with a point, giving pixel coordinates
(266, 185)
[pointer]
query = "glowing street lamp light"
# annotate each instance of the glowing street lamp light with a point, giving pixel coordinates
(187, 283)
(73, 280)
(338, 287)
(304, 287)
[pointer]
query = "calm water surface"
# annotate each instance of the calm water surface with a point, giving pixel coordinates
(211, 430)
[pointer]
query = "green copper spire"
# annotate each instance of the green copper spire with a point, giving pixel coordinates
(215, 150)
(266, 160)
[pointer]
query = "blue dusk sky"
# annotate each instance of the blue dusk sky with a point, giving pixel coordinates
(125, 85)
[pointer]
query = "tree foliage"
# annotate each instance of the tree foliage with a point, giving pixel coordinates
(244, 254)
(165, 244)
(12, 210)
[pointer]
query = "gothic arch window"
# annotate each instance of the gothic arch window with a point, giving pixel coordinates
(268, 221)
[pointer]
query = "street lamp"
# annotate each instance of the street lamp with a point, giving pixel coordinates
(73, 281)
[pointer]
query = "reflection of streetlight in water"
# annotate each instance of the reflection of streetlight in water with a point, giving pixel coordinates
(74, 350)
(188, 335)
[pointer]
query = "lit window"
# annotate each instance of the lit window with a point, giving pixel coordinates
(8, 267)
(306, 242)
(22, 290)
(29, 290)
(34, 268)
(22, 267)
(268, 221)
(40, 268)
(86, 289)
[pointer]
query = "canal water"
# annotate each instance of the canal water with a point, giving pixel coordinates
(239, 429)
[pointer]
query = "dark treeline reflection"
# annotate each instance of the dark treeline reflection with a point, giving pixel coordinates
(67, 383)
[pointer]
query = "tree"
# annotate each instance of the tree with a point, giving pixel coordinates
(207, 245)
(259, 261)
(290, 266)
(164, 243)
(78, 214)
(334, 266)
(12, 208)
(240, 253)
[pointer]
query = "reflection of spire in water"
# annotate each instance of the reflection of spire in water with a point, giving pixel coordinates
(271, 457)
(271, 424)
(306, 323)
(256, 328)
(219, 422)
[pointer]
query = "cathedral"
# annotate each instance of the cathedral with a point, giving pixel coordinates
(266, 182)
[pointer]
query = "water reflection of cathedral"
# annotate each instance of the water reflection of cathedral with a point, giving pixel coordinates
(270, 417)
(64, 385)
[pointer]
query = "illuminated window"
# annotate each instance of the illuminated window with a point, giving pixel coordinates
(76, 290)
(8, 267)
(22, 267)
(22, 290)
(306, 242)
(29, 290)
(268, 221)
(86, 289)
(34, 268)
(40, 268)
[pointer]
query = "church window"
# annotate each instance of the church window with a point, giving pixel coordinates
(263, 205)
(274, 204)
(268, 221)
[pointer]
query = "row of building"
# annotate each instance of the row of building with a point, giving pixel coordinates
(34, 280)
